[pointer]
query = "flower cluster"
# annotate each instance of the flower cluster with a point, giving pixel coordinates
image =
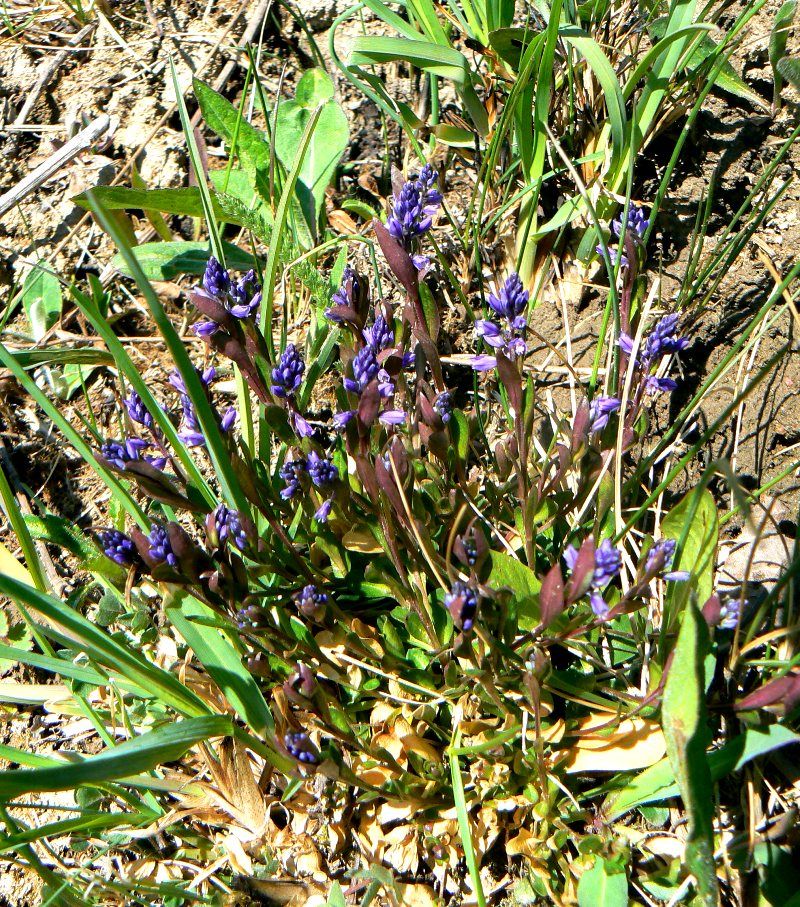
(240, 297)
(662, 341)
(507, 332)
(415, 203)
(637, 226)
(462, 603)
(605, 567)
(117, 546)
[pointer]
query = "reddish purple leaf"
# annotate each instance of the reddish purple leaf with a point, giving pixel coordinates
(551, 595)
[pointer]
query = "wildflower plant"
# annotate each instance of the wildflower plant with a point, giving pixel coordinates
(405, 585)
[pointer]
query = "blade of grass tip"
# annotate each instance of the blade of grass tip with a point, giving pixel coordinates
(125, 365)
(197, 166)
(63, 623)
(281, 214)
(118, 491)
(463, 821)
(215, 444)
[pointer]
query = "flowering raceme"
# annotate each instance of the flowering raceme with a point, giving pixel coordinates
(506, 334)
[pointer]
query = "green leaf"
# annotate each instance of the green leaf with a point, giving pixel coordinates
(777, 40)
(683, 718)
(693, 523)
(42, 300)
(223, 663)
(789, 68)
(167, 260)
(600, 887)
(336, 897)
(657, 783)
(185, 202)
(328, 142)
(314, 88)
(224, 119)
(509, 573)
(727, 78)
(60, 622)
(141, 754)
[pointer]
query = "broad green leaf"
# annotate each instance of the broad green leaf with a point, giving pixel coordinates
(683, 718)
(140, 754)
(223, 663)
(185, 202)
(42, 300)
(789, 68)
(454, 136)
(509, 573)
(314, 88)
(167, 260)
(328, 142)
(657, 783)
(223, 118)
(602, 887)
(693, 523)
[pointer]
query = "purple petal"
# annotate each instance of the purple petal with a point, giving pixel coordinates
(392, 417)
(324, 511)
(229, 419)
(598, 604)
(570, 556)
(303, 428)
(483, 363)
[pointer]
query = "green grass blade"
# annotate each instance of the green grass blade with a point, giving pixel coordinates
(61, 622)
(281, 214)
(223, 663)
(141, 754)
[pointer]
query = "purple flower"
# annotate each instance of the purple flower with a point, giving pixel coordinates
(414, 206)
(216, 280)
(228, 419)
(600, 410)
(291, 473)
(365, 368)
(119, 453)
(160, 547)
(300, 747)
(663, 339)
(570, 556)
(607, 563)
(462, 603)
(137, 411)
(613, 254)
(229, 526)
(730, 613)
(117, 546)
(206, 377)
(380, 336)
(409, 359)
(511, 299)
(248, 617)
(205, 328)
(287, 375)
(241, 297)
(245, 296)
(483, 363)
(345, 296)
(598, 604)
(637, 223)
(659, 560)
(491, 333)
(323, 511)
(655, 385)
(340, 420)
(443, 404)
(392, 417)
(191, 434)
(311, 601)
(321, 470)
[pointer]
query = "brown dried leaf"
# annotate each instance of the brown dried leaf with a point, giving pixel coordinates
(635, 743)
